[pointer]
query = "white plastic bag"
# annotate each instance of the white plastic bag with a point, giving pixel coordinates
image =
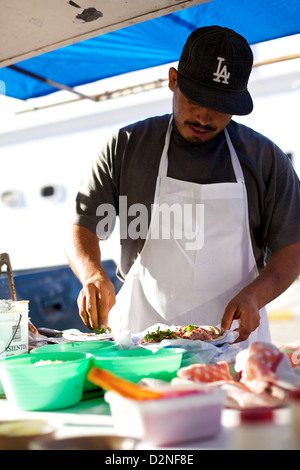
(197, 351)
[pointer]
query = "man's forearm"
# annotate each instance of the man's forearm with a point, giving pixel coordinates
(280, 272)
(97, 295)
(83, 253)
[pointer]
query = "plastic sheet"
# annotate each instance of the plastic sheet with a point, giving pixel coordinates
(196, 351)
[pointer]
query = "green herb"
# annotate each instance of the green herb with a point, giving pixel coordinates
(159, 335)
(190, 327)
(101, 331)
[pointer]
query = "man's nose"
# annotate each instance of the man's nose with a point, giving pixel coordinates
(203, 116)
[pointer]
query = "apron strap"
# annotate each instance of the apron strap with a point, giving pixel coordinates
(163, 166)
(234, 159)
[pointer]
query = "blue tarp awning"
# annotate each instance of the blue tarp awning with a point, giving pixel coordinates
(151, 43)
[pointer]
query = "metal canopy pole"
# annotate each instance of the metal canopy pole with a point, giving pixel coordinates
(49, 82)
(159, 83)
(4, 259)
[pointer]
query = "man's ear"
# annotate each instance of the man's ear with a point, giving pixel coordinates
(172, 78)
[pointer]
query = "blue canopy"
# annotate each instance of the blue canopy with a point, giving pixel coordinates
(151, 43)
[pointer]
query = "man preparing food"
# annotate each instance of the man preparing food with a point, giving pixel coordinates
(232, 196)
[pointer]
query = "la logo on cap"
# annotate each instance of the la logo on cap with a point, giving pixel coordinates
(221, 76)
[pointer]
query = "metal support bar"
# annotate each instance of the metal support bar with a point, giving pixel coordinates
(4, 259)
(276, 60)
(49, 82)
(160, 83)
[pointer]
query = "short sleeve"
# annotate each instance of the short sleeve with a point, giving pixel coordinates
(95, 205)
(282, 204)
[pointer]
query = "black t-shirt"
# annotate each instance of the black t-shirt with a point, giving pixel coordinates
(128, 166)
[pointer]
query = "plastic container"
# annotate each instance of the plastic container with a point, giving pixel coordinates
(18, 434)
(169, 420)
(92, 442)
(80, 346)
(77, 346)
(139, 363)
(257, 430)
(294, 401)
(50, 386)
(13, 328)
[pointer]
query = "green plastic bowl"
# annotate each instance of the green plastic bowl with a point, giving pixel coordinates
(77, 346)
(2, 392)
(83, 347)
(44, 387)
(139, 363)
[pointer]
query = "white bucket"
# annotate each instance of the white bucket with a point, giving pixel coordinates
(13, 328)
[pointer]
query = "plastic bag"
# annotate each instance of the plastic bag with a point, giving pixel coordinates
(196, 351)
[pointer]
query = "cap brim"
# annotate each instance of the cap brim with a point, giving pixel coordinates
(228, 102)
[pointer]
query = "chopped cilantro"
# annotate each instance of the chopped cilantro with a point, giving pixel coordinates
(101, 331)
(190, 327)
(159, 335)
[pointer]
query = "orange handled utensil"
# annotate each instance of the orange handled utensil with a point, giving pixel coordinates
(109, 381)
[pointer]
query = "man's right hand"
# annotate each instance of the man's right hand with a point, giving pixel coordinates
(95, 300)
(97, 296)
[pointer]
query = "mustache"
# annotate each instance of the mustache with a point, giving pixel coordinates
(196, 125)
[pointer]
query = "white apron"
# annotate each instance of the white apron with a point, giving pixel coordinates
(200, 261)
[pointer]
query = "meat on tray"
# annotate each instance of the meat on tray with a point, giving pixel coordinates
(191, 332)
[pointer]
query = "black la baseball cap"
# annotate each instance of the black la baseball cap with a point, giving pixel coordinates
(214, 70)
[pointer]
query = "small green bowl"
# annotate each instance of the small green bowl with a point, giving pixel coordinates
(139, 363)
(92, 347)
(77, 346)
(46, 387)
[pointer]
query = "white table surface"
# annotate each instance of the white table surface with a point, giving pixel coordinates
(92, 417)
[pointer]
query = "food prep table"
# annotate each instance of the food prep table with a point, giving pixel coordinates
(92, 417)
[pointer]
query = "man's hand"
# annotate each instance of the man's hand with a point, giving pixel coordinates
(244, 309)
(97, 296)
(95, 301)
